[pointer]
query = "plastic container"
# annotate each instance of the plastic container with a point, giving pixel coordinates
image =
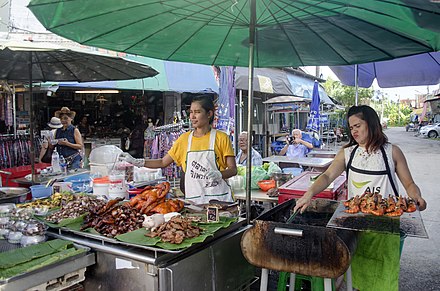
(236, 182)
(100, 186)
(62, 187)
(41, 191)
(5, 209)
(117, 187)
(80, 183)
(293, 171)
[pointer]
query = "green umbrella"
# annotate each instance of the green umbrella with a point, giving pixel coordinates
(260, 33)
(287, 32)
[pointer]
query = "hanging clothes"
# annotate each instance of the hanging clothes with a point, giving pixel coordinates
(161, 140)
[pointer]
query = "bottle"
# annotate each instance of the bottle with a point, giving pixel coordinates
(55, 162)
(63, 165)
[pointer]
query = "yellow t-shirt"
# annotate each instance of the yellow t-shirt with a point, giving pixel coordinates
(222, 148)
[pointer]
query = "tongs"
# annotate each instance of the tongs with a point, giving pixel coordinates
(292, 216)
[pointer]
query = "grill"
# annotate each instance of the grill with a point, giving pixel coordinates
(304, 246)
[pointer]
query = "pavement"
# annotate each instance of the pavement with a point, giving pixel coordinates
(420, 261)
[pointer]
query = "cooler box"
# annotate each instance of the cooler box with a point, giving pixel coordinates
(296, 188)
(19, 172)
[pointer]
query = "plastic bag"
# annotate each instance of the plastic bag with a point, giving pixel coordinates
(257, 174)
(273, 168)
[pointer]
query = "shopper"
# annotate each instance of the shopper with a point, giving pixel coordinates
(69, 138)
(205, 155)
(371, 163)
(45, 157)
(241, 157)
(296, 146)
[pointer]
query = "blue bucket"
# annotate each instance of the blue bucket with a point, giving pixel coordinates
(80, 183)
(41, 191)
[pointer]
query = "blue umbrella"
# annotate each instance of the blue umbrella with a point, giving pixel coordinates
(416, 70)
(313, 122)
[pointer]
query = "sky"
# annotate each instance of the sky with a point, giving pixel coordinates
(408, 92)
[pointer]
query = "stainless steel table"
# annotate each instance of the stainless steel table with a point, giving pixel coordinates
(310, 162)
(322, 154)
(256, 195)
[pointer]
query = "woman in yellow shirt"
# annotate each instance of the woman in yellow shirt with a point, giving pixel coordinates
(205, 155)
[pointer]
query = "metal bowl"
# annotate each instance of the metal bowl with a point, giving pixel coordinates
(281, 178)
(13, 194)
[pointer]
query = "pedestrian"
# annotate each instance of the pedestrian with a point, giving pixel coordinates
(241, 157)
(45, 155)
(69, 138)
(205, 155)
(371, 163)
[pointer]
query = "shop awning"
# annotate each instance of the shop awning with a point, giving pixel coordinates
(173, 76)
(280, 82)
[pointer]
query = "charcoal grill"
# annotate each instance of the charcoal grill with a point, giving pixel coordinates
(304, 246)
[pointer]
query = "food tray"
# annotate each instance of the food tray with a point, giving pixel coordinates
(410, 223)
(30, 279)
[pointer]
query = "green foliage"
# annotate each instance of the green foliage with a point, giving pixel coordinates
(346, 94)
(397, 114)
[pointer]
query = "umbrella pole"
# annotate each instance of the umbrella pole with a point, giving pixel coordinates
(356, 77)
(250, 107)
(31, 123)
(14, 110)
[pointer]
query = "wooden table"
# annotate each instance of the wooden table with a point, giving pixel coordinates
(309, 162)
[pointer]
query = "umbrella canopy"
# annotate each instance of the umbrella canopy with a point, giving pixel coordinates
(287, 33)
(51, 62)
(417, 70)
(313, 122)
(263, 33)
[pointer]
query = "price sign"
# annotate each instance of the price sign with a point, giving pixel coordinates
(212, 214)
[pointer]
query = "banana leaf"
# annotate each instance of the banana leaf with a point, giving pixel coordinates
(66, 221)
(21, 255)
(39, 262)
(138, 236)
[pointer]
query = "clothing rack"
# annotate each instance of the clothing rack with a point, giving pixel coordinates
(15, 150)
(170, 127)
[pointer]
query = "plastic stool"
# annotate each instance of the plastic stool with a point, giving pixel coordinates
(316, 283)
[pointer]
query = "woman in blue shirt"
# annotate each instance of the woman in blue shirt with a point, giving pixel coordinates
(69, 138)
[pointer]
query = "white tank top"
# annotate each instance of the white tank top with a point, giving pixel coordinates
(368, 171)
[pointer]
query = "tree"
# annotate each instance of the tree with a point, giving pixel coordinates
(346, 94)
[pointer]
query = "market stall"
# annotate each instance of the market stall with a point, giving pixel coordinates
(128, 256)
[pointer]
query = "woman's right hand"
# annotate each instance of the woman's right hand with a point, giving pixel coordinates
(303, 202)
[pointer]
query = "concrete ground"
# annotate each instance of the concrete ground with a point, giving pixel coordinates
(420, 262)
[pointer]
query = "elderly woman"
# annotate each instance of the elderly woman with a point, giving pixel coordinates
(69, 138)
(241, 157)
